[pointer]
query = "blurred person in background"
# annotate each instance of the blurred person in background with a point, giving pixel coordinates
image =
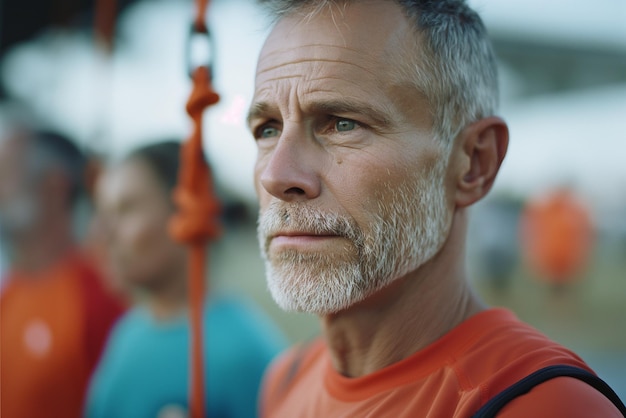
(55, 313)
(145, 369)
(557, 235)
(3, 264)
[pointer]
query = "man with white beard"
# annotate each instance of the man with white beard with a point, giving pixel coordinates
(376, 130)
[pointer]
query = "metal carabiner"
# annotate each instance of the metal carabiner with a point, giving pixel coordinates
(200, 49)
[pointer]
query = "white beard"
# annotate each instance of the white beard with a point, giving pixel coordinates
(408, 230)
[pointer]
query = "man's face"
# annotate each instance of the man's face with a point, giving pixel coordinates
(349, 176)
(133, 212)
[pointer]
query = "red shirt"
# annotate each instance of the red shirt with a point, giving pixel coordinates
(53, 327)
(453, 377)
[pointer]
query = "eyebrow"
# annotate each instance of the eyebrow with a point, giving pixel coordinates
(258, 110)
(375, 116)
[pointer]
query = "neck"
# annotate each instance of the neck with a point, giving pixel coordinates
(168, 299)
(42, 246)
(406, 316)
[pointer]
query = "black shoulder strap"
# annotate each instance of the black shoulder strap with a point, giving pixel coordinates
(495, 404)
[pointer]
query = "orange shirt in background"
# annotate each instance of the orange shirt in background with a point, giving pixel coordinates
(557, 235)
(53, 328)
(453, 377)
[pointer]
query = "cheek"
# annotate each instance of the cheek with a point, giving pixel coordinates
(141, 242)
(351, 180)
(11, 188)
(141, 235)
(367, 185)
(360, 181)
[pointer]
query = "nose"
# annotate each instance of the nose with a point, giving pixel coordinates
(291, 172)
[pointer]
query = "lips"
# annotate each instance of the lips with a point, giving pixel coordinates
(300, 240)
(300, 234)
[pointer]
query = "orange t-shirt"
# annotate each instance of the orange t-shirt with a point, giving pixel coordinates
(53, 328)
(453, 377)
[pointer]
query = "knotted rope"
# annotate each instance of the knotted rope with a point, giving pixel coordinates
(196, 223)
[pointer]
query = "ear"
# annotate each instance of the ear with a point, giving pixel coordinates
(481, 148)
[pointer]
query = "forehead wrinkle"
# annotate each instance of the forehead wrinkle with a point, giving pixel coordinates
(321, 47)
(314, 60)
(358, 85)
(268, 106)
(277, 78)
(314, 88)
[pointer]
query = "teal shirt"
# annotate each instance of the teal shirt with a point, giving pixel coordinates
(144, 372)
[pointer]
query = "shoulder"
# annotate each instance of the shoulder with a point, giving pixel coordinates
(509, 350)
(129, 325)
(244, 340)
(287, 369)
(502, 350)
(125, 342)
(561, 397)
(295, 361)
(98, 297)
(506, 349)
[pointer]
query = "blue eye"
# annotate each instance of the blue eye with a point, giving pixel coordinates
(345, 125)
(268, 132)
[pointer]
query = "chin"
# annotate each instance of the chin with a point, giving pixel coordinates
(320, 291)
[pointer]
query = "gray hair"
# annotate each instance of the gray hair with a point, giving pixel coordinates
(453, 66)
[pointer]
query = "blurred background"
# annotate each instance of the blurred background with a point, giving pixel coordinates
(563, 93)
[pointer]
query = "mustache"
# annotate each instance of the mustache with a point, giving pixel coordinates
(280, 216)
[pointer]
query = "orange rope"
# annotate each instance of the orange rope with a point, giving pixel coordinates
(196, 222)
(200, 19)
(105, 15)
